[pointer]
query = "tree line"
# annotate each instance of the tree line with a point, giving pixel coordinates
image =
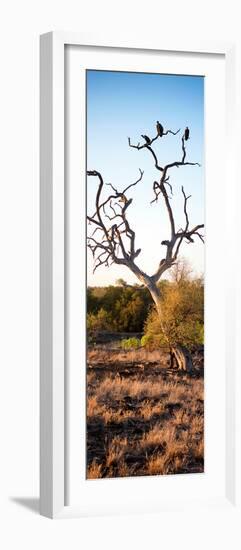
(120, 308)
(126, 308)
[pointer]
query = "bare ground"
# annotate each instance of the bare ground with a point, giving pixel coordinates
(142, 417)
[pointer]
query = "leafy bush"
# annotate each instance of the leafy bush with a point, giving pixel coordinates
(130, 343)
(148, 342)
(98, 321)
(182, 316)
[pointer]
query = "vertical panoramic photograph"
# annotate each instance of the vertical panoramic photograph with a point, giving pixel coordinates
(145, 274)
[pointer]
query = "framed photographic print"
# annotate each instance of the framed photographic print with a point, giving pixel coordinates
(138, 394)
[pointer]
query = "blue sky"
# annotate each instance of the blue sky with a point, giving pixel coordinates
(122, 105)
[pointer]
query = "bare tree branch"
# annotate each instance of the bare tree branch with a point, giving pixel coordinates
(149, 141)
(116, 241)
(147, 146)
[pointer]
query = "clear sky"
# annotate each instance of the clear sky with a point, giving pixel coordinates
(122, 105)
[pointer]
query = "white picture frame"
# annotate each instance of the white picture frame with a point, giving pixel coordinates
(53, 426)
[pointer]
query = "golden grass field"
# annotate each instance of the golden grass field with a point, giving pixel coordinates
(143, 418)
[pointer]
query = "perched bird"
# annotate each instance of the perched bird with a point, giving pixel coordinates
(159, 128)
(146, 138)
(186, 134)
(122, 198)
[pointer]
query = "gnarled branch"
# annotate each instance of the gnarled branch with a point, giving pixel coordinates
(159, 189)
(116, 241)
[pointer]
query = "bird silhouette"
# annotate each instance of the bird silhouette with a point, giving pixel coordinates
(186, 134)
(146, 138)
(159, 128)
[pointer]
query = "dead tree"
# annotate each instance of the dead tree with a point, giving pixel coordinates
(113, 240)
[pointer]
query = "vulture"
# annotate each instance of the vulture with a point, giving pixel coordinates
(122, 198)
(186, 134)
(146, 138)
(159, 128)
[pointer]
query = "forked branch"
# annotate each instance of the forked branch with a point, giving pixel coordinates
(116, 238)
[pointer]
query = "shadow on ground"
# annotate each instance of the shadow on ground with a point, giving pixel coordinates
(32, 503)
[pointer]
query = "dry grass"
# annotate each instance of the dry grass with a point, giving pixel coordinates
(103, 355)
(143, 419)
(157, 465)
(115, 451)
(117, 388)
(94, 470)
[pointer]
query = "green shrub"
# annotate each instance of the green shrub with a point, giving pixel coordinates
(98, 321)
(130, 343)
(148, 342)
(182, 316)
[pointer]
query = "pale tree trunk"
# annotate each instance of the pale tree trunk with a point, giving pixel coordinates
(180, 356)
